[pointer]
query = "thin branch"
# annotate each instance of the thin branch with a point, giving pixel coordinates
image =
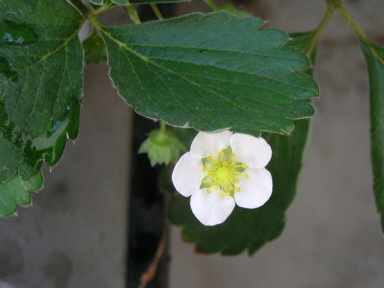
(148, 275)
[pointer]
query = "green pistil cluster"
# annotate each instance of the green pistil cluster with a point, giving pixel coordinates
(223, 173)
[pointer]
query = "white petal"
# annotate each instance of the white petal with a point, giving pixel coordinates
(253, 151)
(255, 190)
(210, 144)
(188, 175)
(210, 209)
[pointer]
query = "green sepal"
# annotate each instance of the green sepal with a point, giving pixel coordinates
(162, 147)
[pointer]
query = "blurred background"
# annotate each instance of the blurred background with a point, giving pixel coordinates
(75, 235)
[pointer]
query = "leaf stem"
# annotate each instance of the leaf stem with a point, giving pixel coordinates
(156, 11)
(163, 127)
(348, 18)
(320, 29)
(101, 9)
(133, 14)
(212, 5)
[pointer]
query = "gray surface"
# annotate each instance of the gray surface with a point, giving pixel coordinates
(75, 233)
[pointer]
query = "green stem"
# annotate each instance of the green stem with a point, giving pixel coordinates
(320, 29)
(157, 11)
(93, 19)
(212, 5)
(101, 9)
(163, 127)
(133, 14)
(348, 18)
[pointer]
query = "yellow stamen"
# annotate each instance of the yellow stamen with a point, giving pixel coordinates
(221, 153)
(205, 168)
(217, 187)
(205, 181)
(233, 155)
(245, 166)
(233, 163)
(237, 180)
(228, 194)
(246, 175)
(238, 189)
(222, 195)
(210, 158)
(208, 191)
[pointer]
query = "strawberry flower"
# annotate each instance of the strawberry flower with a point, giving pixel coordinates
(221, 170)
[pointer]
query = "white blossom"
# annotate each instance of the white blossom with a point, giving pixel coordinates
(221, 170)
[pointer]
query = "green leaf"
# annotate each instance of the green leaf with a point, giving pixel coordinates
(304, 42)
(127, 2)
(41, 89)
(40, 85)
(94, 49)
(252, 228)
(15, 192)
(156, 1)
(97, 2)
(12, 32)
(374, 56)
(238, 12)
(121, 2)
(211, 72)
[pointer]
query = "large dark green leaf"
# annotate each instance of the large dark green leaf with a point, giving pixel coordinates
(210, 72)
(40, 84)
(251, 229)
(374, 56)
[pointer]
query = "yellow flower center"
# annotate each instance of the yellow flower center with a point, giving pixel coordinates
(223, 173)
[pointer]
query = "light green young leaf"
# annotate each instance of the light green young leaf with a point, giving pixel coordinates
(40, 84)
(210, 72)
(250, 229)
(374, 56)
(16, 192)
